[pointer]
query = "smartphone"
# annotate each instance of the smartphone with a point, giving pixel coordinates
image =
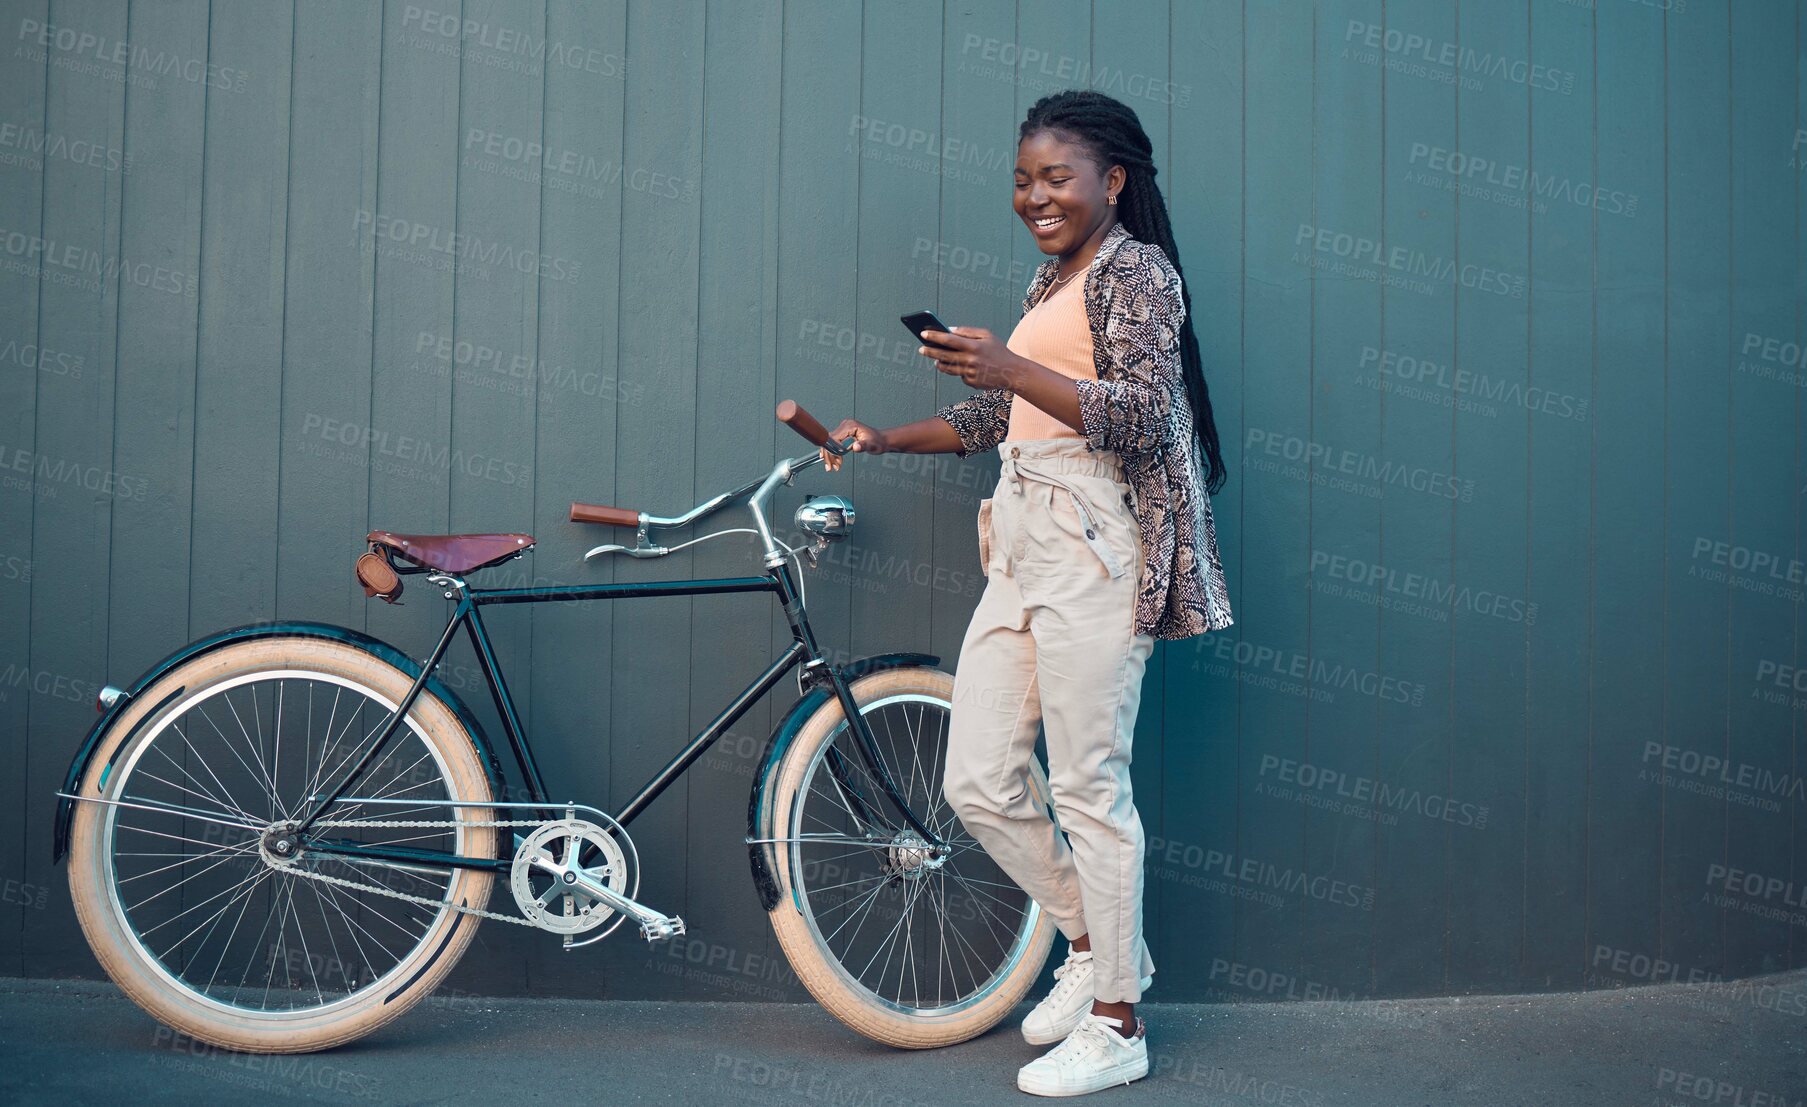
(919, 321)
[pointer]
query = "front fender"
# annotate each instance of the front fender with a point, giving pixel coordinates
(761, 854)
(78, 769)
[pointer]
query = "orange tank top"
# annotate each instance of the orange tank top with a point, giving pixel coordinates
(1054, 333)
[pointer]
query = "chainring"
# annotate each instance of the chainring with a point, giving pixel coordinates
(549, 897)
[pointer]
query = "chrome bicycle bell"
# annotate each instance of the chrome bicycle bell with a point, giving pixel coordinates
(828, 517)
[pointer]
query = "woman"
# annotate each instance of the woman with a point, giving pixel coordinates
(1097, 540)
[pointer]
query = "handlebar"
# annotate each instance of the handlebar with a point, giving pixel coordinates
(792, 414)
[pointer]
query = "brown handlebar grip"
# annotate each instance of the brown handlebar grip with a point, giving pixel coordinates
(792, 415)
(597, 513)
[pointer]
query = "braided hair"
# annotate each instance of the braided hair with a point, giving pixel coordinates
(1110, 134)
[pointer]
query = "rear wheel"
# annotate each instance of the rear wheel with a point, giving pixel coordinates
(908, 947)
(218, 922)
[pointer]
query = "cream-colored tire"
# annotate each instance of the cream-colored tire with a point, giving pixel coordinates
(853, 994)
(171, 994)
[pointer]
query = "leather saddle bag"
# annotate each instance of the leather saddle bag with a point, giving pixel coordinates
(378, 576)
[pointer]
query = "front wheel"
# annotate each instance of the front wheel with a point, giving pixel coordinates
(207, 914)
(906, 946)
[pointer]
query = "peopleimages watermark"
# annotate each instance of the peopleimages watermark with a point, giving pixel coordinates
(1409, 592)
(441, 248)
(1767, 897)
(1299, 673)
(499, 47)
(45, 476)
(1748, 569)
(27, 146)
(1034, 67)
(1359, 796)
(565, 170)
(82, 51)
(30, 355)
(1700, 1088)
(1342, 253)
(1445, 385)
(1512, 185)
(1248, 877)
(798, 1085)
(1771, 358)
(1618, 968)
(1716, 777)
(929, 151)
(960, 266)
(1787, 678)
(65, 263)
(262, 1071)
(401, 454)
(1450, 62)
(515, 373)
(1345, 469)
(43, 682)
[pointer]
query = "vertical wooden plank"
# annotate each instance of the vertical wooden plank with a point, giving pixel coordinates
(1412, 894)
(333, 236)
(1344, 520)
(1202, 704)
(70, 468)
(975, 218)
(23, 363)
(583, 405)
(1131, 52)
(821, 158)
(1624, 823)
(1488, 631)
(1797, 164)
(1051, 39)
(655, 454)
(1759, 763)
(416, 358)
(238, 368)
(1566, 195)
(1277, 291)
(160, 236)
(738, 439)
(904, 152)
(1696, 472)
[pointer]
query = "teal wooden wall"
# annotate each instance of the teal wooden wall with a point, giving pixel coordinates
(1499, 302)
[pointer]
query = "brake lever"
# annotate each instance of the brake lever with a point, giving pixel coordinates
(634, 551)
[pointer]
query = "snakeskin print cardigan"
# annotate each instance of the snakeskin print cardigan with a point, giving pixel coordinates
(1138, 407)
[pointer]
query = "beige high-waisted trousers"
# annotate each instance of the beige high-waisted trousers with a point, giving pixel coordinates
(1053, 641)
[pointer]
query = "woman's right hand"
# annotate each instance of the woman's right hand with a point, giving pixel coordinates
(867, 440)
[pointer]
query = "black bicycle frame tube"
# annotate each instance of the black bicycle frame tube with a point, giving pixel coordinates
(803, 645)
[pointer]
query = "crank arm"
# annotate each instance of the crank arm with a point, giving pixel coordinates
(653, 925)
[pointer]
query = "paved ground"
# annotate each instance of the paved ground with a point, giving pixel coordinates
(1729, 1045)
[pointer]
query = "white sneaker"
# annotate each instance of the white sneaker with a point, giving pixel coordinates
(1058, 1014)
(1093, 1056)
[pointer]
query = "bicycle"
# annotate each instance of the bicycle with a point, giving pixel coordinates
(210, 802)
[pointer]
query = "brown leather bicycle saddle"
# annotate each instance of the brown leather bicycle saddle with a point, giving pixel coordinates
(453, 553)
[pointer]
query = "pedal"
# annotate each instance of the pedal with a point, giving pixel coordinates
(655, 929)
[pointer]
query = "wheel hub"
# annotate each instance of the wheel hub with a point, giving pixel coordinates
(280, 845)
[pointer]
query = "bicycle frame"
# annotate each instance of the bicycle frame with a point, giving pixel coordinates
(468, 615)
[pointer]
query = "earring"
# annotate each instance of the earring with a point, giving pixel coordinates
(1113, 199)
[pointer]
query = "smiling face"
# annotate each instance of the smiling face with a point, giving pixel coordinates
(1060, 193)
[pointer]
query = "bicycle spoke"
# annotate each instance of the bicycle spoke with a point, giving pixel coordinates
(215, 908)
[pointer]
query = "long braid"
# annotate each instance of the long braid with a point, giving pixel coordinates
(1111, 132)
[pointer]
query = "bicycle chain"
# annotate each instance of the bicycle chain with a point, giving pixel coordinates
(423, 900)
